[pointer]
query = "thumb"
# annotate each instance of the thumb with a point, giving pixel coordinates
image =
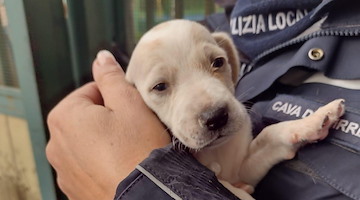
(110, 79)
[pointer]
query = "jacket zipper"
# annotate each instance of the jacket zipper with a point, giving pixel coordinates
(330, 32)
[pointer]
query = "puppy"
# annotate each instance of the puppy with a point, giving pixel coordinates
(186, 75)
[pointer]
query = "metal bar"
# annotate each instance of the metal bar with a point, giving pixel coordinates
(18, 33)
(50, 50)
(129, 26)
(179, 9)
(124, 26)
(76, 26)
(91, 27)
(150, 13)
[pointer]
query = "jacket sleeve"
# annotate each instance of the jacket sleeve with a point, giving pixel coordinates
(171, 174)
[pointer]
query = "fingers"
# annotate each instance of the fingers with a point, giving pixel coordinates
(246, 187)
(88, 94)
(110, 78)
(77, 101)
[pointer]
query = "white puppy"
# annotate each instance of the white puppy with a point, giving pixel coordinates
(186, 75)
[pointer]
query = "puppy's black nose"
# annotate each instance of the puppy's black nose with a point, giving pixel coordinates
(215, 119)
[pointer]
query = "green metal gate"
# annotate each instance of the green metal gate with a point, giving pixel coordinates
(20, 100)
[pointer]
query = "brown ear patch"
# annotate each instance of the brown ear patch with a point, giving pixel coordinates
(226, 43)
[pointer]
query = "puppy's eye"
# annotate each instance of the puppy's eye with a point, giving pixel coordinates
(160, 87)
(218, 62)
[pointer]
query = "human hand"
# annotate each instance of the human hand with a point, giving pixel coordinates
(100, 132)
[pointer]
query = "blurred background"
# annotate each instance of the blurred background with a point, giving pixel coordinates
(46, 51)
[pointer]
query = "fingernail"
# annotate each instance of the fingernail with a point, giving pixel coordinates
(105, 57)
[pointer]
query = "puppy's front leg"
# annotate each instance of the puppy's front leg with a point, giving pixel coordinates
(281, 141)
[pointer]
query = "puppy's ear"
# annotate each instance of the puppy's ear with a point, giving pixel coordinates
(225, 42)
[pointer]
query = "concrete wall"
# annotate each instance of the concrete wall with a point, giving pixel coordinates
(18, 178)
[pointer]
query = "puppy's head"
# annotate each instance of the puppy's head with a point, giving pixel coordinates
(186, 75)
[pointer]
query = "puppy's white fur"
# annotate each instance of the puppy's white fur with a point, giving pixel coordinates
(177, 70)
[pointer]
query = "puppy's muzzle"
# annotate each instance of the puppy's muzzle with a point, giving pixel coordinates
(214, 119)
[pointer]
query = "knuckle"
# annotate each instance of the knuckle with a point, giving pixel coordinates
(61, 184)
(48, 151)
(56, 120)
(53, 118)
(51, 155)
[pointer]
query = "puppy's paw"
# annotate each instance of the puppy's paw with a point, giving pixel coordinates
(334, 110)
(285, 138)
(320, 122)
